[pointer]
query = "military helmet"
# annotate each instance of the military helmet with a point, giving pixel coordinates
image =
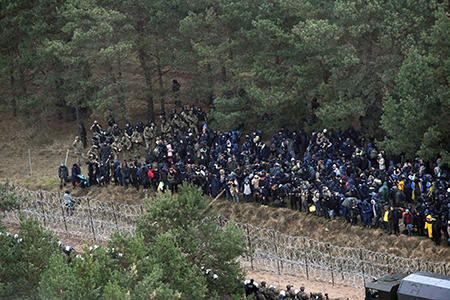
(199, 109)
(174, 111)
(302, 288)
(77, 137)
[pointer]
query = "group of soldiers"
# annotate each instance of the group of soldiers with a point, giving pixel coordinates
(131, 142)
(264, 292)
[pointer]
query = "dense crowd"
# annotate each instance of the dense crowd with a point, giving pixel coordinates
(329, 175)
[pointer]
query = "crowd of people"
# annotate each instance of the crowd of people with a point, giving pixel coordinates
(329, 175)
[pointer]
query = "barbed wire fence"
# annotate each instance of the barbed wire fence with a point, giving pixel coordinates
(91, 220)
(269, 250)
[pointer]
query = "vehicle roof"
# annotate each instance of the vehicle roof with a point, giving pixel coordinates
(424, 285)
(386, 283)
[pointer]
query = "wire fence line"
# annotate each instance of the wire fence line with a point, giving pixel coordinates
(91, 219)
(269, 250)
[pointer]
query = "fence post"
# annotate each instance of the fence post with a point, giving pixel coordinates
(29, 161)
(250, 247)
(43, 212)
(276, 256)
(90, 217)
(62, 210)
(306, 264)
(362, 265)
(331, 264)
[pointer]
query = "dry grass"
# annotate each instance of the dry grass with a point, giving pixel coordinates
(337, 232)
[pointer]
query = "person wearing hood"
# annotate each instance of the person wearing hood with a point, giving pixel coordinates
(247, 190)
(170, 152)
(69, 203)
(125, 172)
(429, 226)
(366, 213)
(75, 172)
(117, 175)
(384, 193)
(63, 174)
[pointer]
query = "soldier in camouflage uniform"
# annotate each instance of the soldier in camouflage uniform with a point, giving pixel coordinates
(78, 149)
(263, 292)
(178, 124)
(116, 149)
(302, 295)
(290, 294)
(138, 142)
(150, 135)
(166, 129)
(192, 122)
(93, 153)
(274, 293)
(126, 147)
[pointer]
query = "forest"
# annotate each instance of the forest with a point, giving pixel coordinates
(378, 67)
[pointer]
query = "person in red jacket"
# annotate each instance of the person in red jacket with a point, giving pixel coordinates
(408, 219)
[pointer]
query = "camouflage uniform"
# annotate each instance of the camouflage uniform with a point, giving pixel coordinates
(178, 124)
(192, 122)
(263, 292)
(138, 141)
(166, 129)
(150, 135)
(116, 148)
(93, 153)
(126, 147)
(78, 148)
(274, 293)
(290, 295)
(302, 295)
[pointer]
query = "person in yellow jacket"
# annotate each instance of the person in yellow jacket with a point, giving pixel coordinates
(428, 226)
(386, 219)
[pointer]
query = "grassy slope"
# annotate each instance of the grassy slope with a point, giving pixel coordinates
(48, 141)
